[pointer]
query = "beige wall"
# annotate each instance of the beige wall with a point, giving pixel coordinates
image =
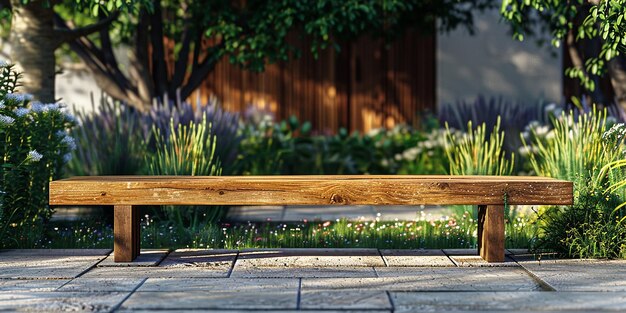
(491, 63)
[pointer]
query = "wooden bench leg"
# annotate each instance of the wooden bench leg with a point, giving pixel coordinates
(126, 239)
(491, 232)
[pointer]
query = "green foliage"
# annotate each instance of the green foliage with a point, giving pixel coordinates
(575, 149)
(478, 152)
(579, 149)
(34, 147)
(445, 232)
(116, 139)
(604, 20)
(187, 150)
(110, 142)
(290, 148)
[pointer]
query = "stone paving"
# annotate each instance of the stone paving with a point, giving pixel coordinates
(306, 280)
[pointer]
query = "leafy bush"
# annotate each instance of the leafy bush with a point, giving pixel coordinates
(187, 150)
(34, 147)
(289, 147)
(578, 149)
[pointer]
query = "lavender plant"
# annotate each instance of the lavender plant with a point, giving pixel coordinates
(117, 139)
(513, 115)
(34, 147)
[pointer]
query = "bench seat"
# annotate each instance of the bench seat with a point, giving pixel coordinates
(490, 193)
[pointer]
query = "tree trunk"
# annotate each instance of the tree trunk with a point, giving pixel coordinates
(33, 43)
(617, 72)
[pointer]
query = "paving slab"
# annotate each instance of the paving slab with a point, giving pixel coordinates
(200, 258)
(341, 299)
(146, 258)
(508, 301)
(328, 213)
(455, 252)
(477, 261)
(46, 266)
(60, 301)
(120, 284)
(302, 258)
(255, 213)
(578, 275)
(248, 311)
(158, 272)
(253, 285)
(310, 272)
(416, 258)
(54, 252)
(31, 284)
(200, 300)
(409, 213)
(459, 279)
(517, 251)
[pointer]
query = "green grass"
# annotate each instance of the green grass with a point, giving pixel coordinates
(445, 232)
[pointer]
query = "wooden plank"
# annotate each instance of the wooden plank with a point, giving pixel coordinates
(125, 233)
(309, 190)
(491, 232)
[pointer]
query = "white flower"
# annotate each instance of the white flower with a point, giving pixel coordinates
(410, 154)
(374, 132)
(20, 112)
(2, 106)
(384, 163)
(19, 97)
(34, 156)
(542, 130)
(70, 142)
(4, 64)
(6, 120)
(550, 107)
(67, 157)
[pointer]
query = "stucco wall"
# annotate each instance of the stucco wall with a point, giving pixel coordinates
(491, 63)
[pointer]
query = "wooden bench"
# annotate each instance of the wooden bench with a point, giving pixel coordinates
(490, 193)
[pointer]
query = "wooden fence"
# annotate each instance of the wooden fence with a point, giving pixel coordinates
(367, 85)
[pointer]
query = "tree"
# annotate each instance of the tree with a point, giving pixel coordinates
(34, 39)
(250, 33)
(594, 32)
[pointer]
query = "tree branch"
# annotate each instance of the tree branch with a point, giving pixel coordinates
(180, 68)
(66, 34)
(199, 73)
(159, 68)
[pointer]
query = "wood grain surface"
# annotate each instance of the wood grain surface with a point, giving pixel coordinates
(310, 190)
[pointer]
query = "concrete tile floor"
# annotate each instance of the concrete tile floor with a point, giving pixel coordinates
(306, 280)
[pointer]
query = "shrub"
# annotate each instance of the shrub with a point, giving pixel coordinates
(578, 149)
(110, 142)
(514, 115)
(117, 139)
(289, 147)
(187, 150)
(34, 147)
(477, 152)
